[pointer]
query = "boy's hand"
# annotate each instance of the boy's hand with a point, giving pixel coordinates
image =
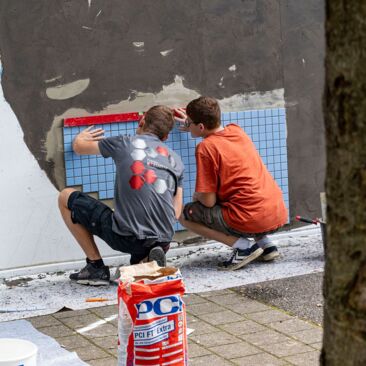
(91, 135)
(181, 119)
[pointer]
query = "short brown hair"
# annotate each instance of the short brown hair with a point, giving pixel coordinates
(159, 120)
(205, 110)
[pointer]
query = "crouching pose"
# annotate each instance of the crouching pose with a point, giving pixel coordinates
(236, 197)
(147, 202)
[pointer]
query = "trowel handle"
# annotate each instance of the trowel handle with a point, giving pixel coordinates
(309, 221)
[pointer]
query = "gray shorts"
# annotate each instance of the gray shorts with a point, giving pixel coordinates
(212, 218)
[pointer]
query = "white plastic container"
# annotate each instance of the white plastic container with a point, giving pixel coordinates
(17, 352)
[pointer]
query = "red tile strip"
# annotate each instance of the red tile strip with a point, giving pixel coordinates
(97, 120)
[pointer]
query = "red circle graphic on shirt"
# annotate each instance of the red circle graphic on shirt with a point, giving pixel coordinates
(162, 151)
(150, 176)
(136, 182)
(137, 167)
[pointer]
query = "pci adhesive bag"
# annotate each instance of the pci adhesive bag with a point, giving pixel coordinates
(152, 326)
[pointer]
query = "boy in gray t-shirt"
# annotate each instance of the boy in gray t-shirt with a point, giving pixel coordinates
(147, 201)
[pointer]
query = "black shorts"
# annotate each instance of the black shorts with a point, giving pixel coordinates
(212, 218)
(96, 217)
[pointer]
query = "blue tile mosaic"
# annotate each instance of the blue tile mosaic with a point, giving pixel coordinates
(266, 127)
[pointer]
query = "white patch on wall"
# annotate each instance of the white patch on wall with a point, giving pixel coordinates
(31, 230)
(232, 68)
(139, 46)
(69, 90)
(166, 52)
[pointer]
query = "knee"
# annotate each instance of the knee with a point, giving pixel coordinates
(64, 195)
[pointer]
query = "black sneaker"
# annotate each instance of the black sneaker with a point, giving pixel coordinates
(91, 275)
(157, 254)
(269, 254)
(241, 257)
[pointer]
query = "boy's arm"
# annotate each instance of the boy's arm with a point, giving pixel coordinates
(208, 199)
(178, 202)
(86, 142)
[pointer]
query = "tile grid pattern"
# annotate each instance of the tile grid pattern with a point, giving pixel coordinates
(267, 129)
(229, 329)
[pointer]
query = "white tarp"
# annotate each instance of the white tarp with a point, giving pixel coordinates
(50, 352)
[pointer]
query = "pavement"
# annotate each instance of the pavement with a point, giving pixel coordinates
(230, 328)
(265, 314)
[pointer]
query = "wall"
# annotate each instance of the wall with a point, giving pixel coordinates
(75, 58)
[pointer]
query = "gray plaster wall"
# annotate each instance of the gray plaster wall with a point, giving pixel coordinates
(60, 56)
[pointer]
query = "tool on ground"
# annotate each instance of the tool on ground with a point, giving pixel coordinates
(316, 221)
(97, 299)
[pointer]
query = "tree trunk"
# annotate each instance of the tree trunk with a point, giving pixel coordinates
(345, 119)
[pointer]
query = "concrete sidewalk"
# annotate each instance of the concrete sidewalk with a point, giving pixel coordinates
(229, 329)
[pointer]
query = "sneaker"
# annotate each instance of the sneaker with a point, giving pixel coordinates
(241, 257)
(269, 254)
(157, 254)
(90, 275)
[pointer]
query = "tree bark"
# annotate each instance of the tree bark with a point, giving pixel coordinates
(345, 119)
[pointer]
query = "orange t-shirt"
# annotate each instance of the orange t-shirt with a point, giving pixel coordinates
(229, 165)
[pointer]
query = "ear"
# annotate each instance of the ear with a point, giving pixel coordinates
(142, 122)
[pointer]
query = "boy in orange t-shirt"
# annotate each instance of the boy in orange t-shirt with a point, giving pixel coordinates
(236, 198)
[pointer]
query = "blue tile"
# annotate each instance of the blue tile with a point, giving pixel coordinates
(78, 180)
(77, 163)
(110, 194)
(70, 181)
(86, 188)
(109, 168)
(85, 171)
(67, 139)
(68, 155)
(268, 112)
(69, 164)
(262, 136)
(84, 163)
(102, 186)
(254, 114)
(261, 121)
(247, 114)
(262, 144)
(233, 115)
(255, 129)
(101, 169)
(282, 111)
(277, 159)
(102, 195)
(275, 112)
(77, 172)
(93, 179)
(93, 170)
(85, 179)
(261, 113)
(240, 115)
(94, 187)
(69, 173)
(110, 185)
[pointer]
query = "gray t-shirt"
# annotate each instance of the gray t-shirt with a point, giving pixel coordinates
(147, 176)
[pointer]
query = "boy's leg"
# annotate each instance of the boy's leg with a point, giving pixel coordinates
(270, 251)
(84, 238)
(195, 218)
(95, 272)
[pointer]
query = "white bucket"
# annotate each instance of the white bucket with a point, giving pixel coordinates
(17, 352)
